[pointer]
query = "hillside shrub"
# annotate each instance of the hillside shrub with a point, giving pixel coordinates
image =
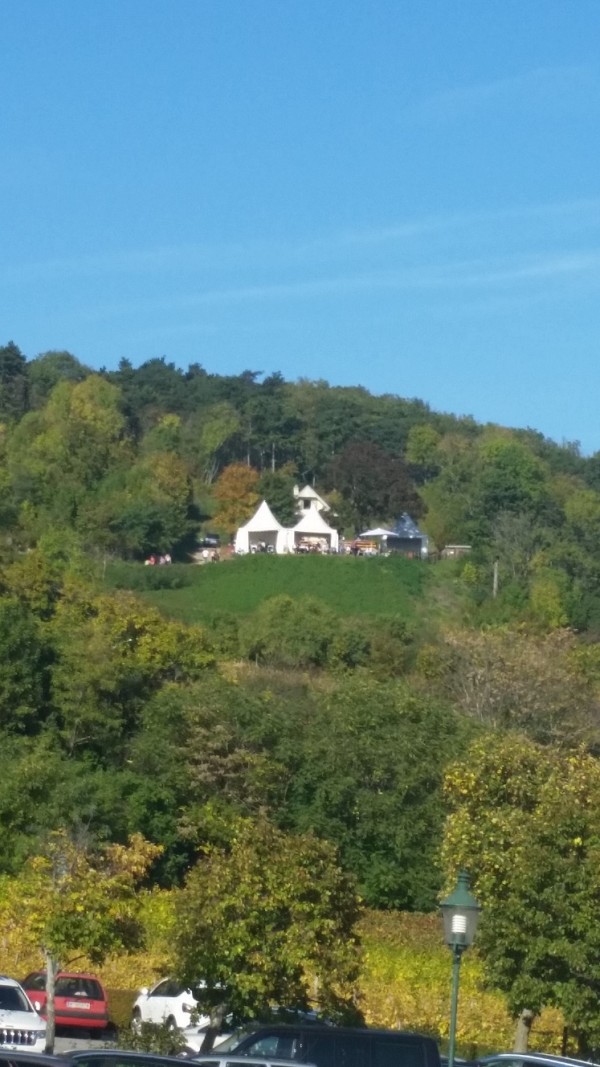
(224, 634)
(140, 578)
(287, 632)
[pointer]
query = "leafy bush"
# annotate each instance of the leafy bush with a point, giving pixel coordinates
(223, 631)
(153, 1037)
(285, 632)
(120, 1006)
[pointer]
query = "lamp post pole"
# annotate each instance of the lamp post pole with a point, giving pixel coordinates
(460, 912)
(456, 958)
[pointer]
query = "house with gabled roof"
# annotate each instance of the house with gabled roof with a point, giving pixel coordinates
(308, 498)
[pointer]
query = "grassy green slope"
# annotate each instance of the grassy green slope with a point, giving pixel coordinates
(351, 587)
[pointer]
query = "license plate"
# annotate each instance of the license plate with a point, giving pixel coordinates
(79, 1004)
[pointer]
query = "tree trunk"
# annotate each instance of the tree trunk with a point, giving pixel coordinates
(51, 972)
(217, 1016)
(524, 1023)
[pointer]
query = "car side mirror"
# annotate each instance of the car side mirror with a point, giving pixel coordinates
(37, 1005)
(144, 990)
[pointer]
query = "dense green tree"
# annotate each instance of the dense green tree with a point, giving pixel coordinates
(368, 776)
(113, 653)
(510, 479)
(277, 488)
(377, 485)
(13, 382)
(24, 668)
(266, 922)
(271, 425)
(524, 822)
(154, 389)
(208, 439)
(50, 368)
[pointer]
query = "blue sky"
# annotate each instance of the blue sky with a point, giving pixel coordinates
(401, 194)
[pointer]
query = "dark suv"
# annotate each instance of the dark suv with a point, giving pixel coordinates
(332, 1046)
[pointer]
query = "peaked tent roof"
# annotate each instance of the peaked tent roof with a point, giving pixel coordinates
(262, 520)
(378, 532)
(312, 522)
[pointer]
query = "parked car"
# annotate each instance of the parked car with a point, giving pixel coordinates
(330, 1046)
(194, 1037)
(21, 1027)
(210, 540)
(529, 1059)
(230, 1060)
(166, 1002)
(29, 1059)
(79, 999)
(108, 1057)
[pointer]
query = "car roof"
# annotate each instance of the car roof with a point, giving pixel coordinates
(211, 1059)
(5, 980)
(312, 1027)
(536, 1057)
(118, 1053)
(27, 1056)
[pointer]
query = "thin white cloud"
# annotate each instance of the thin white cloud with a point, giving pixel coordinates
(539, 88)
(222, 256)
(461, 277)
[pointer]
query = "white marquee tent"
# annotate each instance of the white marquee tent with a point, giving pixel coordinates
(312, 527)
(262, 529)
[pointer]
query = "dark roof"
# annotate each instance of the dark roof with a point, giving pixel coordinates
(407, 527)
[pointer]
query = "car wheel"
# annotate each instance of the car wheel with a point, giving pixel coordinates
(136, 1021)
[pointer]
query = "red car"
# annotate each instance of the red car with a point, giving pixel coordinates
(79, 999)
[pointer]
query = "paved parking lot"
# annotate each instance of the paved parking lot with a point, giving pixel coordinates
(66, 1041)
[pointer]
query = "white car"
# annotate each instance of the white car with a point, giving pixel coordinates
(166, 1002)
(194, 1035)
(21, 1028)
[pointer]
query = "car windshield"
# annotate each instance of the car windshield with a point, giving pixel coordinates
(13, 999)
(233, 1041)
(78, 987)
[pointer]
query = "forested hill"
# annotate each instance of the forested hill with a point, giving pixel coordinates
(180, 702)
(140, 459)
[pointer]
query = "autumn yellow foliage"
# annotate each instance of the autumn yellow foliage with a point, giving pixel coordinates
(404, 981)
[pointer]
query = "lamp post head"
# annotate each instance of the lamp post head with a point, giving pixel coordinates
(460, 912)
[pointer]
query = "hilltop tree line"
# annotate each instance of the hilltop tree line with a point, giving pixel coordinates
(134, 461)
(384, 754)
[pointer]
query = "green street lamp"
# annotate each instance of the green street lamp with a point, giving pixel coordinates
(460, 912)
